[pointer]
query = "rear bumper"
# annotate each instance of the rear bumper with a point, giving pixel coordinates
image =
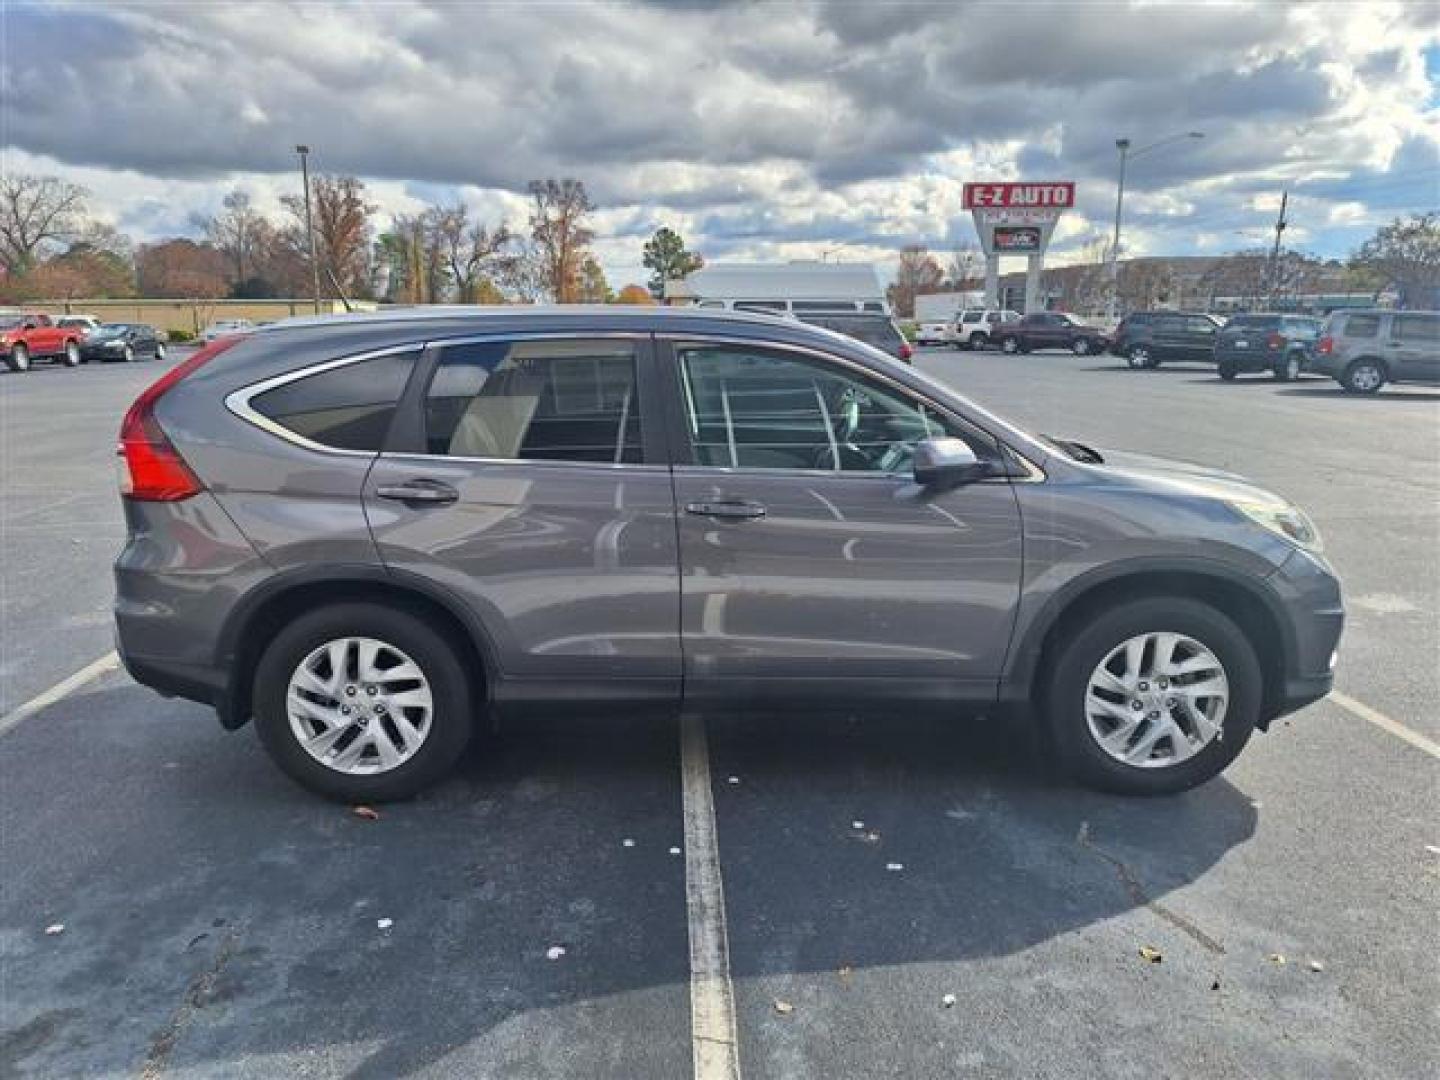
(1251, 359)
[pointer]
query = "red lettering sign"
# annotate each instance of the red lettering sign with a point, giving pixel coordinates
(1058, 195)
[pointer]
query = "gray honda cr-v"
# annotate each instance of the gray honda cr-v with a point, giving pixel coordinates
(366, 532)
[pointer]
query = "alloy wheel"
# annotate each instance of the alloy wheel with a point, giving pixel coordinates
(359, 706)
(1139, 357)
(1156, 700)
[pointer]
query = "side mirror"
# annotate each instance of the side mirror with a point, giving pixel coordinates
(946, 460)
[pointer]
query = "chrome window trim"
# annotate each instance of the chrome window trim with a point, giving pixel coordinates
(239, 401)
(527, 463)
(678, 341)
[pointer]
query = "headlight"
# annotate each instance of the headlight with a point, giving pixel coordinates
(1288, 521)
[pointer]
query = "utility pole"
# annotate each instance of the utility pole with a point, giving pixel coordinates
(1123, 145)
(304, 152)
(1280, 224)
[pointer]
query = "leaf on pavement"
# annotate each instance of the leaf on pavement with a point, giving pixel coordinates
(366, 812)
(1150, 954)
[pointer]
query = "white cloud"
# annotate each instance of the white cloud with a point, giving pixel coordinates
(760, 131)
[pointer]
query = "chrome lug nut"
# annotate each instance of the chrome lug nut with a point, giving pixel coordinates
(1144, 686)
(344, 710)
(1137, 704)
(370, 690)
(349, 691)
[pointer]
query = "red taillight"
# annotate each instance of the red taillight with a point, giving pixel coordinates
(906, 350)
(154, 470)
(1325, 346)
(1275, 341)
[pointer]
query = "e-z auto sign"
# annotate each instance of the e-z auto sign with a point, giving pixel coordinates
(1055, 196)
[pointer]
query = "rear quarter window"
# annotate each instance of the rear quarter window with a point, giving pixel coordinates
(349, 407)
(1361, 326)
(1422, 327)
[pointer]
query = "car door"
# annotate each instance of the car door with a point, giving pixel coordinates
(1415, 340)
(810, 559)
(533, 486)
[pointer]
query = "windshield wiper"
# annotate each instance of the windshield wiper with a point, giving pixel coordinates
(1076, 450)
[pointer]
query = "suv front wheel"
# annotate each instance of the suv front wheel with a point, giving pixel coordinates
(1153, 697)
(362, 703)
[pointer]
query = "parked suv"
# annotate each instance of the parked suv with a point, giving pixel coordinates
(26, 336)
(1363, 350)
(975, 329)
(1279, 344)
(1050, 330)
(366, 533)
(1149, 338)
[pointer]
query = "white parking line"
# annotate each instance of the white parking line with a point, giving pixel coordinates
(712, 998)
(1384, 723)
(91, 671)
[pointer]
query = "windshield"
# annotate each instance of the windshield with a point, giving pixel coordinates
(9, 322)
(111, 330)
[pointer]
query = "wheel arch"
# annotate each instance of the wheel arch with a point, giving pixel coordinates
(1237, 597)
(255, 621)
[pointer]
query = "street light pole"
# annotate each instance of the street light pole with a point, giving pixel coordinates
(304, 152)
(1123, 145)
(1126, 155)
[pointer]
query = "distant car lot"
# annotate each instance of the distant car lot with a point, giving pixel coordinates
(242, 917)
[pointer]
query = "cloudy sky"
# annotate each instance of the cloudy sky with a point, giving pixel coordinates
(759, 130)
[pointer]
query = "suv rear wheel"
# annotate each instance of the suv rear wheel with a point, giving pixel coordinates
(18, 358)
(1153, 697)
(362, 703)
(1363, 377)
(1140, 356)
(71, 356)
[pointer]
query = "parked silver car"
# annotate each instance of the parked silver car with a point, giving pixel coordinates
(1363, 350)
(366, 532)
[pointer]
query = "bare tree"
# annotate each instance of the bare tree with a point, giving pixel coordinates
(526, 274)
(561, 234)
(473, 254)
(238, 232)
(919, 272)
(180, 268)
(342, 230)
(1406, 254)
(36, 213)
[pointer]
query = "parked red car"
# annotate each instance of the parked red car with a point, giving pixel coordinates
(32, 335)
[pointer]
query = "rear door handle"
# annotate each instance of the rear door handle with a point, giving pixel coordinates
(419, 492)
(737, 510)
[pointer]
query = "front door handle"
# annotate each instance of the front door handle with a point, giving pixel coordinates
(738, 510)
(419, 492)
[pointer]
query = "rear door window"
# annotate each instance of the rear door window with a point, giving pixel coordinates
(348, 407)
(540, 400)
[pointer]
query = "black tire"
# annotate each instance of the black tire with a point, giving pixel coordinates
(129, 354)
(1287, 368)
(159, 351)
(18, 358)
(70, 357)
(452, 722)
(980, 341)
(1364, 376)
(1081, 347)
(1226, 370)
(1010, 346)
(1088, 644)
(1141, 357)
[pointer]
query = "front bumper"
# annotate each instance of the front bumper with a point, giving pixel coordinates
(1310, 595)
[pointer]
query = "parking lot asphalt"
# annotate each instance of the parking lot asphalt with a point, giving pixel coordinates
(219, 922)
